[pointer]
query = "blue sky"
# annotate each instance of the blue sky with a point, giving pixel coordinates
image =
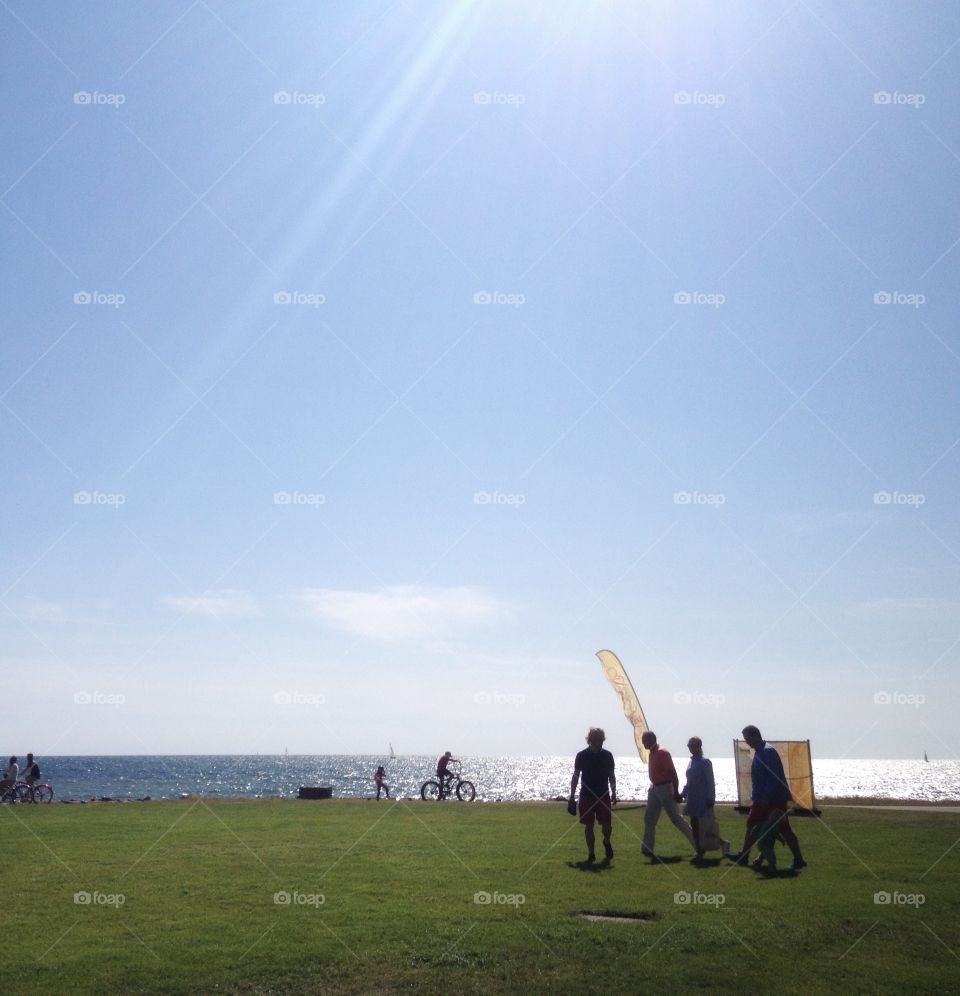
(367, 368)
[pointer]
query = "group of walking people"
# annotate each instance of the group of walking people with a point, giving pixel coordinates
(767, 820)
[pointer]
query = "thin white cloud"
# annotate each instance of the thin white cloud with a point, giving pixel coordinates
(73, 611)
(911, 607)
(402, 612)
(225, 602)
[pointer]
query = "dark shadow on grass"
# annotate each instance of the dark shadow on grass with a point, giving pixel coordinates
(664, 861)
(590, 866)
(777, 873)
(707, 863)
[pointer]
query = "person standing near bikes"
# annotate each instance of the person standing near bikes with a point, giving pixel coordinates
(443, 770)
(595, 767)
(11, 774)
(31, 773)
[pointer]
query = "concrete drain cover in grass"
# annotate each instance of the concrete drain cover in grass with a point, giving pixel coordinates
(610, 916)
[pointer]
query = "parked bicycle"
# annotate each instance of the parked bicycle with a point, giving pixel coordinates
(22, 792)
(453, 784)
(17, 792)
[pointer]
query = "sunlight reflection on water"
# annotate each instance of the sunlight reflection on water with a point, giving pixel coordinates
(495, 778)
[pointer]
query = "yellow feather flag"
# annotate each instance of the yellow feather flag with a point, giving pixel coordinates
(617, 677)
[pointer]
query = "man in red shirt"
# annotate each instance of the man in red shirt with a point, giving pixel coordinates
(663, 794)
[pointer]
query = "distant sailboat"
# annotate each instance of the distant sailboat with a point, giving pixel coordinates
(925, 756)
(392, 755)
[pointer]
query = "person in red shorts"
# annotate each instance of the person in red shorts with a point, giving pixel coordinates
(770, 800)
(593, 767)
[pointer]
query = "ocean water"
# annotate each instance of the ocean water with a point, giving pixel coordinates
(495, 778)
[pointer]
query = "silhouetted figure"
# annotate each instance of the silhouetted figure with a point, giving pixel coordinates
(662, 796)
(700, 793)
(770, 798)
(593, 767)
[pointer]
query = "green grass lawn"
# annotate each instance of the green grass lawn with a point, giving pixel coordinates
(383, 898)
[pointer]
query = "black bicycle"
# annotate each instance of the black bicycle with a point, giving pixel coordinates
(453, 784)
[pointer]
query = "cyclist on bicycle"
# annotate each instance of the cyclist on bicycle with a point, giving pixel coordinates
(444, 775)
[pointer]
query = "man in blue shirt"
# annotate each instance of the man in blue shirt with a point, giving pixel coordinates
(770, 796)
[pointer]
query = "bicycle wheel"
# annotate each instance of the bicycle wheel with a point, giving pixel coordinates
(22, 793)
(42, 793)
(466, 792)
(430, 790)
